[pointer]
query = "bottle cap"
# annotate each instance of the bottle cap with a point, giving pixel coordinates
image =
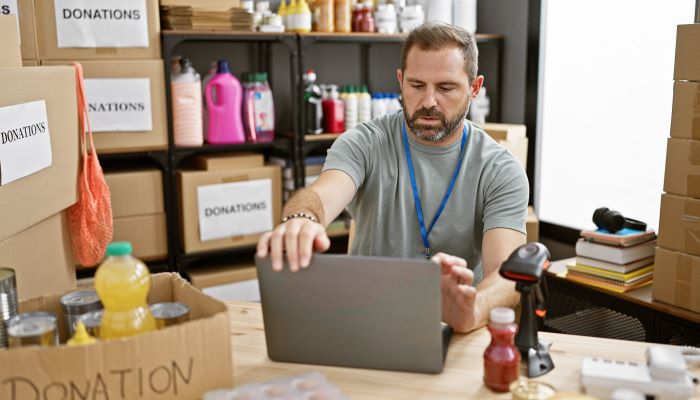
(119, 249)
(222, 67)
(502, 315)
(262, 76)
(81, 337)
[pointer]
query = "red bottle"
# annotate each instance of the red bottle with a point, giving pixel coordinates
(367, 21)
(357, 18)
(501, 357)
(333, 112)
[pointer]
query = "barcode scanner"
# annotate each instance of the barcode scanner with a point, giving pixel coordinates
(526, 266)
(613, 221)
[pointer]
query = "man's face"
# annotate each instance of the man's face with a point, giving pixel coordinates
(436, 92)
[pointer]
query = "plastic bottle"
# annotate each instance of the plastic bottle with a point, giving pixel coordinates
(411, 17)
(464, 14)
(292, 11)
(304, 20)
(81, 336)
(312, 102)
(439, 10)
(364, 105)
(367, 21)
(343, 16)
(501, 357)
(205, 82)
(351, 108)
(378, 105)
(186, 89)
(224, 99)
(323, 15)
(357, 17)
(395, 103)
(264, 106)
(122, 283)
(385, 19)
(283, 12)
(333, 111)
(249, 107)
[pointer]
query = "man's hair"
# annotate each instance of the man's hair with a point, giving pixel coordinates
(438, 35)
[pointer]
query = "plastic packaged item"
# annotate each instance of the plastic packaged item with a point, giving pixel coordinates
(303, 17)
(272, 23)
(224, 96)
(351, 108)
(411, 17)
(76, 304)
(333, 111)
(92, 322)
(186, 90)
(343, 16)
(366, 19)
(170, 313)
(309, 386)
(323, 16)
(248, 5)
(122, 282)
(81, 337)
(258, 109)
(501, 357)
(8, 305)
(385, 19)
(480, 107)
(464, 14)
(364, 103)
(38, 328)
(312, 102)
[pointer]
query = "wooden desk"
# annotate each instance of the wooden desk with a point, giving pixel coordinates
(461, 379)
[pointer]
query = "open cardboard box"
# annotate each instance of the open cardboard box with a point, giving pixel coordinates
(181, 361)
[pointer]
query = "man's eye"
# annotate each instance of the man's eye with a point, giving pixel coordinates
(416, 86)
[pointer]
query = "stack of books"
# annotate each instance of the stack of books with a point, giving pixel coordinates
(205, 19)
(619, 262)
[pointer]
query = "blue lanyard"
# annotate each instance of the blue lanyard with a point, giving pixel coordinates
(416, 197)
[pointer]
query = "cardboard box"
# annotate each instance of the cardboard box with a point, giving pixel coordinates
(687, 67)
(33, 198)
(30, 63)
(27, 28)
(190, 181)
(222, 274)
(504, 131)
(518, 148)
(10, 55)
(532, 226)
(685, 118)
(181, 361)
(682, 167)
(212, 162)
(134, 129)
(138, 211)
(677, 279)
(115, 23)
(41, 257)
(679, 224)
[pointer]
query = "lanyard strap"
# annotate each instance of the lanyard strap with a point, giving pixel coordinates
(416, 197)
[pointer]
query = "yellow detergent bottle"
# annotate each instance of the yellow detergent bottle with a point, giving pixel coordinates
(122, 283)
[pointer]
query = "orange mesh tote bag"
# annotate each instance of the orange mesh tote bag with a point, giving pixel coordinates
(90, 219)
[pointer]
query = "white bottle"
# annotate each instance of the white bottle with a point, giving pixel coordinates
(385, 19)
(464, 15)
(480, 108)
(364, 105)
(351, 109)
(205, 81)
(411, 17)
(378, 109)
(439, 11)
(186, 89)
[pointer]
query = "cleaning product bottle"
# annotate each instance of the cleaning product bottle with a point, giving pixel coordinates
(122, 283)
(205, 82)
(378, 105)
(249, 107)
(283, 12)
(224, 97)
(312, 102)
(351, 108)
(293, 16)
(264, 109)
(333, 111)
(501, 357)
(364, 105)
(304, 19)
(186, 91)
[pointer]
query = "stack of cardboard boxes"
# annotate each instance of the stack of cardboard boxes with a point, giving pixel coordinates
(677, 271)
(118, 45)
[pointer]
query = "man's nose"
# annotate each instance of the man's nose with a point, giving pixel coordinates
(429, 101)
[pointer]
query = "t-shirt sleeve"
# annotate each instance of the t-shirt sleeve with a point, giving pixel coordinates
(351, 154)
(506, 197)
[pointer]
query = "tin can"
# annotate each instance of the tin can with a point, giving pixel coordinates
(38, 328)
(525, 389)
(76, 304)
(8, 301)
(92, 321)
(167, 314)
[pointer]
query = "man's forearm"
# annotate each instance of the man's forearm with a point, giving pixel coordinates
(495, 291)
(308, 202)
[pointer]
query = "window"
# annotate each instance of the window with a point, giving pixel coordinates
(604, 112)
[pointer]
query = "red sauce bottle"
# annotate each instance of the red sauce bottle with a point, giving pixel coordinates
(367, 21)
(501, 357)
(333, 112)
(357, 17)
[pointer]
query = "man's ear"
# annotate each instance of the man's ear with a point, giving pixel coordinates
(399, 76)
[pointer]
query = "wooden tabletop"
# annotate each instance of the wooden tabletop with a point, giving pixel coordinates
(461, 378)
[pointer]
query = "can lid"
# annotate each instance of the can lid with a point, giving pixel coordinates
(119, 249)
(525, 389)
(502, 315)
(169, 310)
(31, 324)
(6, 272)
(80, 302)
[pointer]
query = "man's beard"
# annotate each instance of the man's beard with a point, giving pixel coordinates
(434, 133)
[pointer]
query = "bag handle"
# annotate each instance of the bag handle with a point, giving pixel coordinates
(84, 121)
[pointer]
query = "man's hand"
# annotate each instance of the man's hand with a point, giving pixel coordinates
(459, 306)
(298, 237)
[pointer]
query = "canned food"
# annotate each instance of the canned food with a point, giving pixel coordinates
(92, 321)
(76, 304)
(167, 314)
(33, 329)
(8, 301)
(524, 389)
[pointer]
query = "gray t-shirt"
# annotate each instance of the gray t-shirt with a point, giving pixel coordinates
(491, 191)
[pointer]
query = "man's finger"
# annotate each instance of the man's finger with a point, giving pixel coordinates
(463, 275)
(264, 244)
(291, 246)
(307, 235)
(276, 245)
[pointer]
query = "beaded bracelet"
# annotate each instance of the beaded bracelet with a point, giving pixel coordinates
(299, 215)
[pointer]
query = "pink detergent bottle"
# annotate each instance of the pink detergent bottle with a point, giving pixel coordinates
(224, 97)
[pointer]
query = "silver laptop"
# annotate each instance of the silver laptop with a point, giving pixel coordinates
(363, 312)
